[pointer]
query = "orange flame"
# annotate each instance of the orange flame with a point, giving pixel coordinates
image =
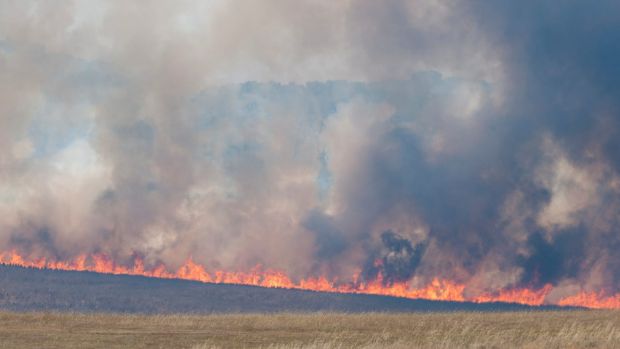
(522, 296)
(437, 289)
(592, 300)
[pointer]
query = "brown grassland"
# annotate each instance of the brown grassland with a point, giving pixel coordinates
(568, 329)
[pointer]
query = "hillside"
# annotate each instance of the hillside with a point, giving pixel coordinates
(24, 289)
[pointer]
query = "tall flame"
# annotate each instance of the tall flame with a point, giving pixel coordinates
(437, 289)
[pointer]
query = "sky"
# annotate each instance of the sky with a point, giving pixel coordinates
(473, 141)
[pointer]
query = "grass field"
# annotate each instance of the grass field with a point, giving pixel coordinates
(570, 329)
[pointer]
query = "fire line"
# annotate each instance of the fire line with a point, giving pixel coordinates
(437, 289)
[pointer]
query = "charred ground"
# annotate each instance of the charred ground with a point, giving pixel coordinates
(26, 289)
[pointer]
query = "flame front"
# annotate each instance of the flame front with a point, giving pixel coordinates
(437, 289)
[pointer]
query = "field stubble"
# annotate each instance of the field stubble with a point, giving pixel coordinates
(557, 329)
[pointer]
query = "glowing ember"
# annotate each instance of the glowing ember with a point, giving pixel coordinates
(445, 290)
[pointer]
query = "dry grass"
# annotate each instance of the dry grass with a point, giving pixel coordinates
(576, 329)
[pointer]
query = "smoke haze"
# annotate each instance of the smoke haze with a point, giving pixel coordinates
(476, 142)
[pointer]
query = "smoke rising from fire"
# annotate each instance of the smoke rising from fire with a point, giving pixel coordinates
(400, 140)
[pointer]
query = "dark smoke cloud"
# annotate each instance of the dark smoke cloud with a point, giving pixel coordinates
(549, 262)
(396, 261)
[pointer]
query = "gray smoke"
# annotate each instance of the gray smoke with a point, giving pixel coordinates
(412, 140)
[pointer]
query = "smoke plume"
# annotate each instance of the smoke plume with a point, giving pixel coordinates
(395, 140)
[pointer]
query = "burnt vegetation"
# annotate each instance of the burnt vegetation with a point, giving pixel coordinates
(26, 289)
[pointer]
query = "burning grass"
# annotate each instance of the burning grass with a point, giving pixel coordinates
(568, 329)
(445, 290)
